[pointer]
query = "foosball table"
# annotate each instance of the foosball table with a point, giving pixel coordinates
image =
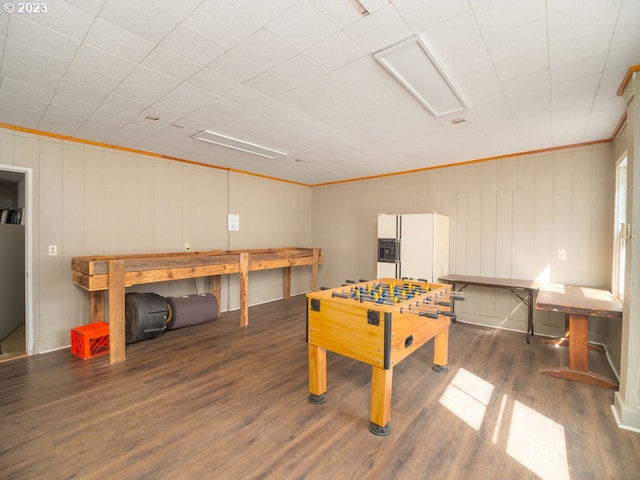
(379, 322)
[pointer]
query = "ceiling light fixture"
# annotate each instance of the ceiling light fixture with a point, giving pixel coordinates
(237, 144)
(413, 64)
(362, 10)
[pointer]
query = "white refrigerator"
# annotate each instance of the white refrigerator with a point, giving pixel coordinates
(414, 246)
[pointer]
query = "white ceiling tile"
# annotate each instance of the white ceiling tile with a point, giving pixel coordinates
(527, 61)
(378, 30)
(299, 70)
(17, 55)
(63, 118)
(302, 25)
(499, 15)
(335, 51)
(185, 99)
(271, 84)
(179, 10)
(101, 61)
(20, 116)
(222, 23)
(41, 38)
(263, 11)
(91, 6)
(140, 18)
(64, 18)
(118, 103)
(118, 41)
(171, 64)
(4, 26)
(212, 81)
(508, 43)
(14, 88)
(80, 90)
(237, 66)
(361, 71)
(328, 86)
(246, 96)
(266, 48)
(299, 98)
(147, 79)
(341, 14)
(85, 76)
(531, 82)
(192, 45)
(423, 14)
(578, 69)
(458, 46)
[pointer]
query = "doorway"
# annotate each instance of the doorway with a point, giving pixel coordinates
(16, 337)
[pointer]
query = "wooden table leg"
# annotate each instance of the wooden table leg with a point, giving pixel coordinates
(578, 342)
(216, 289)
(287, 283)
(96, 306)
(380, 414)
(317, 374)
(116, 312)
(579, 357)
(244, 289)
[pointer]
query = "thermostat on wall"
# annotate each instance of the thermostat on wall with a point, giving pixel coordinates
(233, 222)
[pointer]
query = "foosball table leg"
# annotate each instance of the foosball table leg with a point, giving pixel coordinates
(380, 414)
(317, 375)
(441, 351)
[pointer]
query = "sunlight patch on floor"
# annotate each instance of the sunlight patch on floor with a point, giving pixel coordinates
(538, 443)
(467, 396)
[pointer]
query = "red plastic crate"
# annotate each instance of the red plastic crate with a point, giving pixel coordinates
(91, 340)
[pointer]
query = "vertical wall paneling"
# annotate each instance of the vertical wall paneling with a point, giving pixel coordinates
(504, 232)
(561, 233)
(474, 233)
(542, 217)
(51, 268)
(508, 218)
(72, 240)
(114, 201)
(94, 225)
(580, 248)
(91, 200)
(136, 218)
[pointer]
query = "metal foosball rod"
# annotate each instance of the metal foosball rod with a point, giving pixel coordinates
(429, 313)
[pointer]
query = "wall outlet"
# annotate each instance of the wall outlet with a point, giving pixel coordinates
(53, 250)
(187, 247)
(562, 254)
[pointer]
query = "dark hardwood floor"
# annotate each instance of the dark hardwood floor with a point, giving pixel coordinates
(216, 401)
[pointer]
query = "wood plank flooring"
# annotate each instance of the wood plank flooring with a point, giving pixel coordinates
(221, 402)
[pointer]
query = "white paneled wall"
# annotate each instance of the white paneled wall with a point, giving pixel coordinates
(509, 217)
(93, 201)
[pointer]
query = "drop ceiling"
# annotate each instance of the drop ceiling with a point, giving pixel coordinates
(299, 76)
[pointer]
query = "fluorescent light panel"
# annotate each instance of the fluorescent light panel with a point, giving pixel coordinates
(237, 144)
(416, 68)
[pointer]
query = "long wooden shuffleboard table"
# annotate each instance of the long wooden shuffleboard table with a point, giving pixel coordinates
(105, 277)
(379, 322)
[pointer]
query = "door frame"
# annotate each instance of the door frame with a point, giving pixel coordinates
(28, 252)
